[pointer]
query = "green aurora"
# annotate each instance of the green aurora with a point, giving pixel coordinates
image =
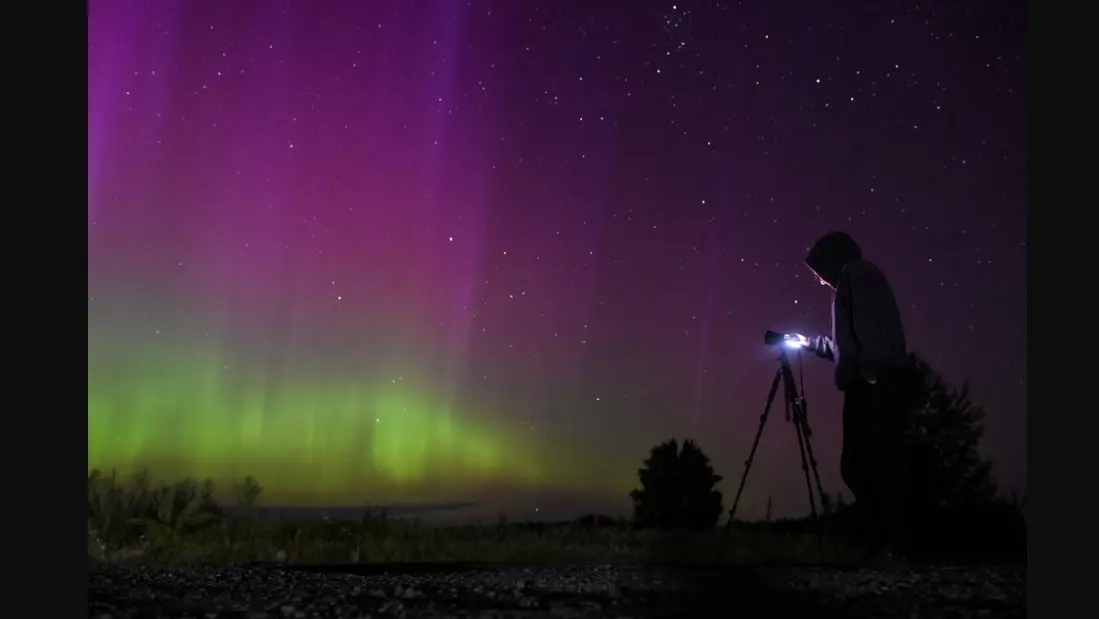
(308, 441)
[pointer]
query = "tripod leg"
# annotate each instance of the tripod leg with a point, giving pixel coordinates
(820, 486)
(755, 446)
(803, 447)
(813, 465)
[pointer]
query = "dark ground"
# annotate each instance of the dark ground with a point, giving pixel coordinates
(597, 591)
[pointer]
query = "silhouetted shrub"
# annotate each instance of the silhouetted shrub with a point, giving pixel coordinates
(953, 500)
(156, 516)
(678, 489)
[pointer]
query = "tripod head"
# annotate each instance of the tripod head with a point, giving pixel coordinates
(785, 342)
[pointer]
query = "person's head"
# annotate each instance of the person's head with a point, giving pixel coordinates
(830, 254)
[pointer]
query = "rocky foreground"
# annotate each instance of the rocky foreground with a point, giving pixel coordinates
(260, 592)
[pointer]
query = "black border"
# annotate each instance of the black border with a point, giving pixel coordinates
(45, 452)
(1061, 404)
(81, 450)
(1059, 447)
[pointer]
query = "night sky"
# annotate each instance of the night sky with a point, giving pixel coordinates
(496, 250)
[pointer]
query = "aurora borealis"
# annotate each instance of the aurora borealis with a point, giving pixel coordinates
(435, 251)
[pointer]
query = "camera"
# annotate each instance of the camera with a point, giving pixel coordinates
(789, 340)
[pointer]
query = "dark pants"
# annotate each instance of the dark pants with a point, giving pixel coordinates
(873, 462)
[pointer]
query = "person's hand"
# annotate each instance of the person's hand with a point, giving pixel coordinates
(821, 346)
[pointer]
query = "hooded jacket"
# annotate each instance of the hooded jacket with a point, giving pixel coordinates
(867, 335)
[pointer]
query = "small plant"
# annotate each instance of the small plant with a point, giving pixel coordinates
(247, 492)
(140, 516)
(97, 550)
(175, 510)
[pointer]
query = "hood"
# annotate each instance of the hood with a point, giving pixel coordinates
(831, 253)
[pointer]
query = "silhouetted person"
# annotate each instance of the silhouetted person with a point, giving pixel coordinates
(867, 345)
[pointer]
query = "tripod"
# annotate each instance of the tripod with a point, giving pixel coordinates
(795, 406)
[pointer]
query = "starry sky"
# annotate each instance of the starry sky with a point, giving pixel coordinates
(494, 251)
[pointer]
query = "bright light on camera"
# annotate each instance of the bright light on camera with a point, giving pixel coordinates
(795, 340)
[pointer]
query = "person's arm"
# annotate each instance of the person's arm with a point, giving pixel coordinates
(868, 334)
(847, 367)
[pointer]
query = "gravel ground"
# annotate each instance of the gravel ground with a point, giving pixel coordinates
(581, 592)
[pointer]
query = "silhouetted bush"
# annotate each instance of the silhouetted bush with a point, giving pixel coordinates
(678, 489)
(158, 516)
